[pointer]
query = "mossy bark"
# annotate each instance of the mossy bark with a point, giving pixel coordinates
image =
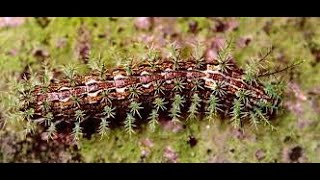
(58, 41)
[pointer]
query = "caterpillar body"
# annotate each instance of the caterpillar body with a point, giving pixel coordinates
(173, 89)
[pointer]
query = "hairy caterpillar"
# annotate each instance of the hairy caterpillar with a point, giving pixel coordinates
(176, 90)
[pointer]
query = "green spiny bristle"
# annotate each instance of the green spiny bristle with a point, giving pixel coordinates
(26, 98)
(225, 52)
(219, 89)
(198, 54)
(152, 55)
(28, 114)
(236, 122)
(109, 112)
(134, 108)
(129, 124)
(237, 114)
(268, 106)
(47, 76)
(77, 132)
(175, 110)
(25, 90)
(79, 115)
(196, 100)
(48, 119)
(179, 85)
(250, 74)
(30, 127)
(27, 86)
(272, 90)
(212, 107)
(134, 92)
(128, 68)
(225, 66)
(194, 107)
(178, 100)
(262, 116)
(46, 106)
(70, 71)
(97, 64)
(254, 67)
(250, 78)
(51, 131)
(106, 98)
(152, 64)
(243, 95)
(159, 103)
(153, 120)
(254, 121)
(193, 110)
(159, 90)
(174, 54)
(104, 127)
(76, 100)
(197, 85)
(224, 57)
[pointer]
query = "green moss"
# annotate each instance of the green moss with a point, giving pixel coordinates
(116, 42)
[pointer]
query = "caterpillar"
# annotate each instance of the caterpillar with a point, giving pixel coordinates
(174, 89)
